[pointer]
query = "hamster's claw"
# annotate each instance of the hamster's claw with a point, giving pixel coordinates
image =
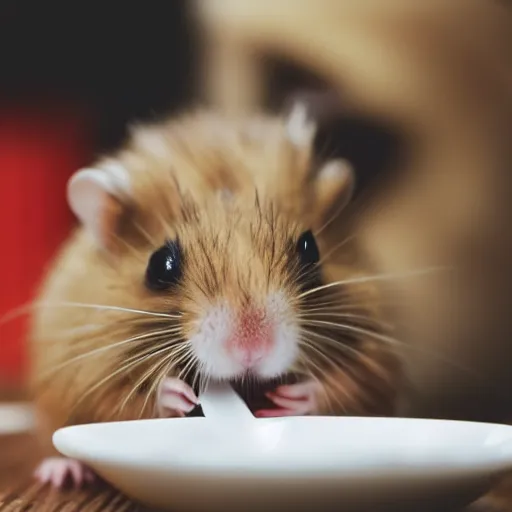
(58, 470)
(293, 400)
(175, 396)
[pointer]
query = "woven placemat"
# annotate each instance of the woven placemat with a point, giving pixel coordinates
(102, 498)
(35, 498)
(19, 455)
(39, 498)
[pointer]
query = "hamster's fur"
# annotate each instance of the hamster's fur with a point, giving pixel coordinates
(234, 196)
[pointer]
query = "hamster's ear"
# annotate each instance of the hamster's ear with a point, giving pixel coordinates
(300, 128)
(98, 196)
(375, 147)
(334, 187)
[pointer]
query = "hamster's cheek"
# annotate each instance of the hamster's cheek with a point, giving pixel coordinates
(284, 352)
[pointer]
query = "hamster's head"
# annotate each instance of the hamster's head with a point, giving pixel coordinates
(228, 276)
(234, 278)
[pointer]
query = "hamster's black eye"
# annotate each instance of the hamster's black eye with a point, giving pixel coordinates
(307, 249)
(164, 267)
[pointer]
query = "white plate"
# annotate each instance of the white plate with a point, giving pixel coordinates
(218, 463)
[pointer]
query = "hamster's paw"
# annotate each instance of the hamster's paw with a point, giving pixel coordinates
(293, 400)
(175, 396)
(58, 470)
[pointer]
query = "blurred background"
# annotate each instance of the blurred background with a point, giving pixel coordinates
(71, 79)
(424, 109)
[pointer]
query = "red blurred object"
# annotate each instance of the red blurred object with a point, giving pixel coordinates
(40, 147)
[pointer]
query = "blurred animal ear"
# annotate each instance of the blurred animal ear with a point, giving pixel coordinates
(334, 187)
(375, 147)
(300, 128)
(98, 197)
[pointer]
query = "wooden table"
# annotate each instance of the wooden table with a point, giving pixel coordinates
(18, 493)
(19, 455)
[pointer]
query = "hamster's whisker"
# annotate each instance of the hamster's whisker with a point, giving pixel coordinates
(184, 361)
(131, 363)
(339, 296)
(440, 358)
(206, 379)
(160, 375)
(17, 312)
(115, 327)
(165, 364)
(354, 329)
(329, 392)
(318, 368)
(338, 345)
(311, 346)
(104, 349)
(403, 346)
(95, 330)
(331, 219)
(333, 397)
(104, 381)
(103, 307)
(27, 308)
(147, 341)
(343, 293)
(335, 365)
(173, 345)
(93, 340)
(333, 250)
(169, 361)
(342, 364)
(337, 304)
(352, 306)
(139, 382)
(168, 369)
(375, 277)
(145, 234)
(24, 310)
(331, 306)
(349, 316)
(184, 354)
(166, 226)
(184, 373)
(197, 376)
(299, 274)
(136, 252)
(343, 298)
(315, 372)
(158, 368)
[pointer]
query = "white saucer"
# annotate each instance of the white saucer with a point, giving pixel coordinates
(218, 463)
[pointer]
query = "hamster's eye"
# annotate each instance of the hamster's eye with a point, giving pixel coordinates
(307, 249)
(164, 267)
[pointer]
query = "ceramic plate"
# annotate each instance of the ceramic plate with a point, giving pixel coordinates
(229, 460)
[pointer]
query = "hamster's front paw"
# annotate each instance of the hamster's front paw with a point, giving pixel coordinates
(293, 400)
(175, 397)
(58, 470)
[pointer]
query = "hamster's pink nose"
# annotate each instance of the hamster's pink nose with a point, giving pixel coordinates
(251, 339)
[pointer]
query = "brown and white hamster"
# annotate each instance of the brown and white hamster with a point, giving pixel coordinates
(201, 254)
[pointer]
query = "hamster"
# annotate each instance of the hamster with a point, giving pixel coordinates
(202, 253)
